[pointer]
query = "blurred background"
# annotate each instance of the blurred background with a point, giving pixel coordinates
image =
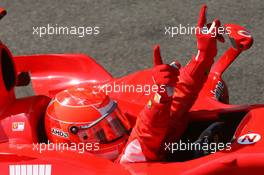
(130, 28)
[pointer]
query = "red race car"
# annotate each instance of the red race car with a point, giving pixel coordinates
(24, 148)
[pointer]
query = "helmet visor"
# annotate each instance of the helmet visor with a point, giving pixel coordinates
(107, 128)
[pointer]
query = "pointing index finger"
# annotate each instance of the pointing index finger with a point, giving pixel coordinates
(156, 56)
(202, 16)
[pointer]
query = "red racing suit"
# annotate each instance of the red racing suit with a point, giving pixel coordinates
(162, 119)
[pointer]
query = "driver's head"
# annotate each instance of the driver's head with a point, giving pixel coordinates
(81, 115)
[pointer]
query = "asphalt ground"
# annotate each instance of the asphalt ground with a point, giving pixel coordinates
(130, 28)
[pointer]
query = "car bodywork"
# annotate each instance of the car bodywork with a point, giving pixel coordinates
(21, 120)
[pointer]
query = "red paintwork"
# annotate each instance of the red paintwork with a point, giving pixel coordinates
(53, 73)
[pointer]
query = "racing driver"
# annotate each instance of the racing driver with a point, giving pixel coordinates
(78, 115)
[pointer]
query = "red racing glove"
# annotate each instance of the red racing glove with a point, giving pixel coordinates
(164, 75)
(193, 76)
(144, 143)
(207, 36)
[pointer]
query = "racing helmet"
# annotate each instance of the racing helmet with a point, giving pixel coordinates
(84, 115)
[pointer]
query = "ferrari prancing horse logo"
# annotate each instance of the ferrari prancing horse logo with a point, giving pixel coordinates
(18, 126)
